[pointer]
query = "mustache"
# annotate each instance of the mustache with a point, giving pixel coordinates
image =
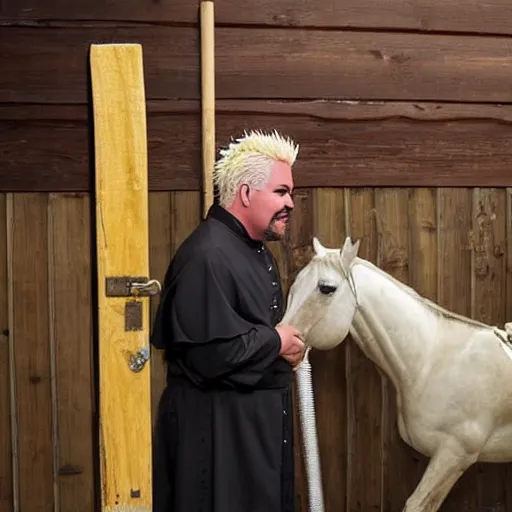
(281, 213)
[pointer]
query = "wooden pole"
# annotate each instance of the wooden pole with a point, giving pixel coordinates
(208, 100)
(122, 252)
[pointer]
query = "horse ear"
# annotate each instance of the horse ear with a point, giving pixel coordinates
(349, 251)
(318, 247)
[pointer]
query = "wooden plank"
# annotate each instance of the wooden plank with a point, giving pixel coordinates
(71, 329)
(171, 70)
(508, 313)
(489, 248)
(31, 357)
(364, 383)
(423, 241)
(423, 250)
(122, 250)
(422, 15)
(114, 10)
(186, 215)
(6, 454)
(342, 144)
(361, 65)
(329, 379)
(31, 56)
(392, 223)
(160, 219)
(454, 292)
(297, 249)
(351, 65)
(49, 151)
(172, 217)
(488, 304)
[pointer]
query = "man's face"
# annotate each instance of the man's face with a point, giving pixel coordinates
(271, 206)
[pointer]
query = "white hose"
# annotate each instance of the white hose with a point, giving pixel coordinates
(309, 436)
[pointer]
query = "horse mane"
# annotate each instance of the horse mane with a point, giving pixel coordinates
(414, 294)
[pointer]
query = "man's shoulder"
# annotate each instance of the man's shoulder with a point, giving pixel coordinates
(206, 244)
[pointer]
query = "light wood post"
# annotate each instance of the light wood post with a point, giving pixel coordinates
(208, 100)
(122, 252)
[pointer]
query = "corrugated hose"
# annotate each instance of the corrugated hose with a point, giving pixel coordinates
(309, 436)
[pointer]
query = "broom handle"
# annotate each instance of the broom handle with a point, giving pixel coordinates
(208, 100)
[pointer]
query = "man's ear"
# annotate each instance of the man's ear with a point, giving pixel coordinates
(245, 195)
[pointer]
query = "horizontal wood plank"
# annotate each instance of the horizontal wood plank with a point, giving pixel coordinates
(45, 148)
(426, 15)
(48, 65)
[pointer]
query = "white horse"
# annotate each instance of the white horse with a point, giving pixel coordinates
(452, 375)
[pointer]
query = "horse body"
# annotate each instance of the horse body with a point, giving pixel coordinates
(452, 375)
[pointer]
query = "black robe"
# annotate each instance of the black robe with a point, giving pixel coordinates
(223, 440)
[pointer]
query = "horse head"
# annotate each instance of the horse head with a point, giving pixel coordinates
(322, 300)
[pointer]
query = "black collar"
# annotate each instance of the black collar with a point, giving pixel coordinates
(222, 215)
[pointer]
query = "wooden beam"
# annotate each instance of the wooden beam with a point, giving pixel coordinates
(122, 250)
(297, 64)
(356, 144)
(208, 99)
(423, 15)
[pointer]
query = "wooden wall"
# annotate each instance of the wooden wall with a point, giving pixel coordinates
(453, 245)
(402, 110)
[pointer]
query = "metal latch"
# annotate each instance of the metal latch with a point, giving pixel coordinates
(133, 287)
(130, 286)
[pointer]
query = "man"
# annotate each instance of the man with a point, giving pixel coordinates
(224, 434)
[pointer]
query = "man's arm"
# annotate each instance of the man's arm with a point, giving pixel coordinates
(242, 360)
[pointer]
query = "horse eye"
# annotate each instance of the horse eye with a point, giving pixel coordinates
(326, 289)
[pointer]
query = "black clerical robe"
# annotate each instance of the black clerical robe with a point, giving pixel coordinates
(224, 434)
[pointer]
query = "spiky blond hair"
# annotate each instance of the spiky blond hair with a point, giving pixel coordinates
(249, 160)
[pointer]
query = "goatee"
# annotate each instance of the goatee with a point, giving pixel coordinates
(270, 234)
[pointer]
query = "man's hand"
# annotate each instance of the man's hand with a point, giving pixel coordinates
(292, 347)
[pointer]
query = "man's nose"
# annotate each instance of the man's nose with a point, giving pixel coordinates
(289, 202)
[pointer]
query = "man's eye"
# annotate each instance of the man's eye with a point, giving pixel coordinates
(282, 191)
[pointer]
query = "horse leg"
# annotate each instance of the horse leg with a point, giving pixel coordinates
(444, 469)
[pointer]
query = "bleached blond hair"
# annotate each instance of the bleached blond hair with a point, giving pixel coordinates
(249, 160)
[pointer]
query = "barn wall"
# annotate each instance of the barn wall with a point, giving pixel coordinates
(454, 245)
(402, 110)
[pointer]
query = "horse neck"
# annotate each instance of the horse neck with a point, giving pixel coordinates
(392, 328)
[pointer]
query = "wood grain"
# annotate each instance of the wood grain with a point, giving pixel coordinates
(423, 271)
(32, 364)
(122, 242)
(298, 64)
(393, 256)
(49, 66)
(6, 466)
(423, 232)
(508, 310)
(297, 251)
(341, 144)
(70, 268)
(422, 15)
(488, 304)
(172, 217)
(508, 313)
(160, 219)
(455, 208)
(328, 367)
(364, 382)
